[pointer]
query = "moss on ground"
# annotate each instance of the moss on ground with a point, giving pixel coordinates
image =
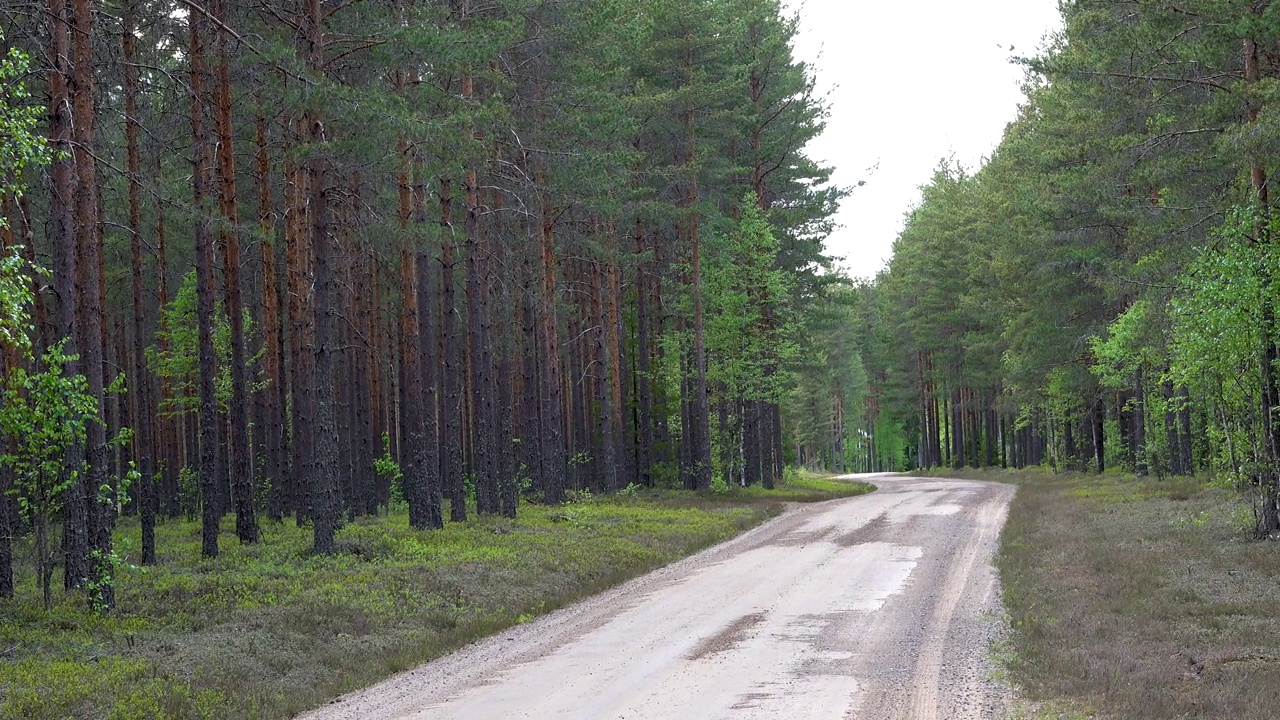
(269, 630)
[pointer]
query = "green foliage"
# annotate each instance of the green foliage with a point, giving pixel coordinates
(1127, 347)
(745, 293)
(21, 144)
(1219, 317)
(802, 486)
(269, 630)
(179, 364)
(45, 413)
(389, 470)
(1102, 269)
(15, 299)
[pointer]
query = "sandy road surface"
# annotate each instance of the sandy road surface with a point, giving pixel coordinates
(879, 607)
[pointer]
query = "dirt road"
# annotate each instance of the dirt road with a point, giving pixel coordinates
(879, 607)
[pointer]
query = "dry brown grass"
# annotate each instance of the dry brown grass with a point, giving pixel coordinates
(1139, 599)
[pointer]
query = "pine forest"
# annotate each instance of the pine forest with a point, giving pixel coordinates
(299, 260)
(1101, 292)
(330, 285)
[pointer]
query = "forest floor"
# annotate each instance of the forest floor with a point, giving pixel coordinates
(268, 630)
(1137, 599)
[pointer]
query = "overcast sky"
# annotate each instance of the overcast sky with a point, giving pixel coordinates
(908, 84)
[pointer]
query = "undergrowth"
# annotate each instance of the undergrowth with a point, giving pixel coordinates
(269, 630)
(1138, 598)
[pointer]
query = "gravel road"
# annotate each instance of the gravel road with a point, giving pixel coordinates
(880, 607)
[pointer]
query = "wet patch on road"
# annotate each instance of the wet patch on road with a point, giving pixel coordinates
(871, 532)
(728, 638)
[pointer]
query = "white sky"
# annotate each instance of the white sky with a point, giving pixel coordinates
(909, 83)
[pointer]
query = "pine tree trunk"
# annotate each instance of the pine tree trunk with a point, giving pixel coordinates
(451, 472)
(414, 470)
(974, 435)
(551, 422)
(169, 437)
(754, 443)
(1172, 441)
(240, 468)
(575, 408)
(1139, 437)
(603, 360)
(1184, 437)
(301, 344)
(62, 231)
(530, 450)
(1099, 435)
(100, 518)
(10, 521)
(1269, 515)
(324, 481)
(957, 431)
(992, 436)
(141, 385)
(209, 443)
(700, 452)
(482, 426)
(619, 374)
(325, 506)
(429, 350)
(644, 370)
(364, 480)
(377, 398)
(505, 418)
(274, 417)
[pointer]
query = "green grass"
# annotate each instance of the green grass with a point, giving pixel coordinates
(1138, 599)
(805, 487)
(269, 630)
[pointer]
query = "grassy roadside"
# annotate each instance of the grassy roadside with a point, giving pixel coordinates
(1137, 599)
(269, 630)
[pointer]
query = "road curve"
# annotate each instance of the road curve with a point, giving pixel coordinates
(880, 607)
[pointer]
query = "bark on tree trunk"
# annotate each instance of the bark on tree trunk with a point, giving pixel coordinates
(607, 466)
(530, 450)
(168, 426)
(62, 232)
(141, 385)
(700, 452)
(301, 343)
(325, 507)
(100, 518)
(1099, 435)
(644, 355)
(1184, 437)
(451, 406)
(1140, 463)
(482, 426)
(1269, 517)
(208, 413)
(240, 467)
(413, 483)
(272, 395)
(551, 422)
